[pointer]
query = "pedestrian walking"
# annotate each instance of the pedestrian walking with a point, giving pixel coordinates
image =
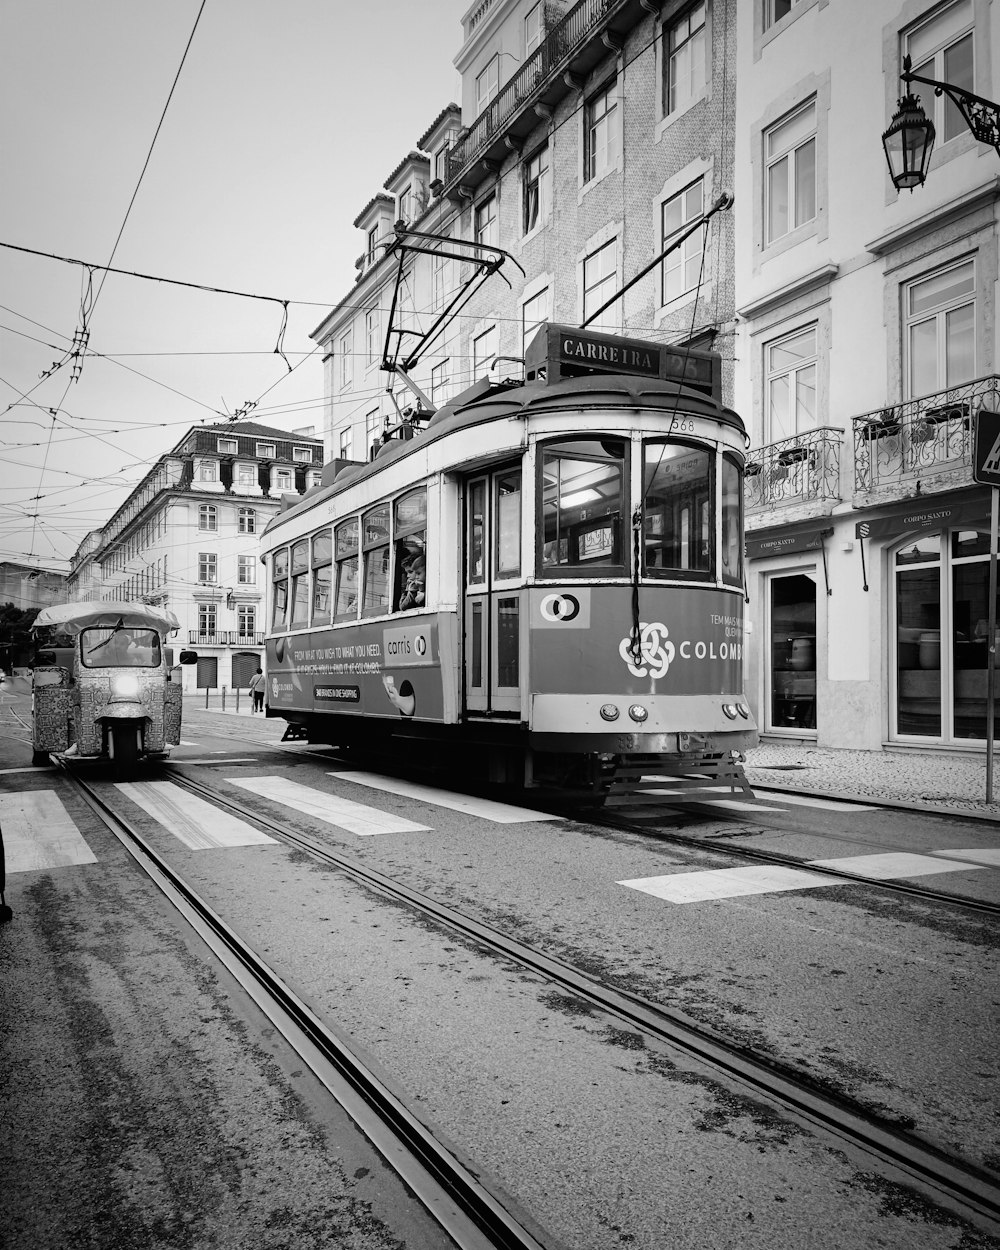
(257, 690)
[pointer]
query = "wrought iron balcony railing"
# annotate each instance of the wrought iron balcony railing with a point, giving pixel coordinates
(225, 638)
(794, 470)
(559, 44)
(920, 437)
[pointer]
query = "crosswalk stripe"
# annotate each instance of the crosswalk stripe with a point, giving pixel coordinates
(988, 855)
(352, 817)
(29, 768)
(825, 805)
(890, 864)
(484, 809)
(195, 822)
(39, 833)
(697, 887)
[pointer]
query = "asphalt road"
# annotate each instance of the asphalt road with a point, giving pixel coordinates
(150, 1105)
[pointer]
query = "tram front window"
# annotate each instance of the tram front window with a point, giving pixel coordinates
(120, 648)
(582, 505)
(677, 509)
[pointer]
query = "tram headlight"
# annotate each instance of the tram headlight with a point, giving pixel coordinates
(743, 710)
(730, 710)
(126, 685)
(638, 712)
(609, 711)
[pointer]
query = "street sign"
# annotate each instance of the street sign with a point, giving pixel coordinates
(986, 448)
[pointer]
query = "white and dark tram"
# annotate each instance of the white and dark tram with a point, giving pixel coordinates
(545, 581)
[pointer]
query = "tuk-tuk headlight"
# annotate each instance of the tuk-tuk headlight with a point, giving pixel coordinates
(126, 685)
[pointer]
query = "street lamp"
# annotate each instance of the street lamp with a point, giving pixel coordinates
(910, 136)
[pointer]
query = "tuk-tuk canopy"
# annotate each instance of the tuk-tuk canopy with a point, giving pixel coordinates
(71, 618)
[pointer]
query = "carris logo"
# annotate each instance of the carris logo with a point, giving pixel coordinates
(655, 651)
(560, 607)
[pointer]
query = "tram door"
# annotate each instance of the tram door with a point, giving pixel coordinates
(493, 591)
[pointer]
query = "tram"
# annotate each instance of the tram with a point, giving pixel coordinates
(546, 578)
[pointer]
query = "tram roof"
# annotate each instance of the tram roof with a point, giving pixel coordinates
(71, 618)
(486, 401)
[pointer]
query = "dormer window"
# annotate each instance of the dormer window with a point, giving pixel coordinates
(283, 480)
(206, 471)
(266, 451)
(302, 454)
(228, 446)
(370, 256)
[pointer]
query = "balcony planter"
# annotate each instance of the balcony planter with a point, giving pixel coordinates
(751, 469)
(792, 455)
(881, 427)
(924, 430)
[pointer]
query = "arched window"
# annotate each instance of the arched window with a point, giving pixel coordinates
(208, 517)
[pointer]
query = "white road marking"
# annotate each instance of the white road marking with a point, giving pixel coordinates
(988, 855)
(826, 805)
(195, 822)
(696, 887)
(29, 768)
(342, 813)
(236, 759)
(891, 864)
(484, 809)
(38, 832)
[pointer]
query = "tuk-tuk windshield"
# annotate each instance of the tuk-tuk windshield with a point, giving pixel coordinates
(108, 647)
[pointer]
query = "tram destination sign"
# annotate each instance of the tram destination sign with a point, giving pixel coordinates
(986, 448)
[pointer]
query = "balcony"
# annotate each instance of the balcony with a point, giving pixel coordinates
(926, 440)
(225, 638)
(803, 470)
(570, 50)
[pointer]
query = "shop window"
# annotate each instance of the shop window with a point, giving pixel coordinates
(918, 638)
(376, 561)
(322, 577)
(678, 534)
(346, 555)
(410, 534)
(793, 652)
(300, 585)
(582, 503)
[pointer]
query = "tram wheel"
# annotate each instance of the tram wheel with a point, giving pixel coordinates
(125, 749)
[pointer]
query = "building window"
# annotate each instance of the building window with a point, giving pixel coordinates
(207, 566)
(484, 351)
(439, 383)
(939, 313)
(266, 451)
(246, 620)
(228, 446)
(208, 471)
(372, 335)
(600, 281)
(683, 266)
(487, 228)
(942, 48)
(370, 246)
(302, 454)
(346, 359)
(790, 178)
(534, 28)
(246, 570)
(373, 428)
(247, 521)
(536, 183)
(345, 443)
(487, 84)
(206, 619)
(439, 278)
(534, 312)
(775, 10)
(208, 517)
(246, 476)
(283, 479)
(791, 365)
(599, 140)
(684, 60)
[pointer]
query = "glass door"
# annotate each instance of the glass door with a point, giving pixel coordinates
(493, 592)
(792, 654)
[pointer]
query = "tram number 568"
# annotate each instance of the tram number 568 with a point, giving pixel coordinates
(682, 425)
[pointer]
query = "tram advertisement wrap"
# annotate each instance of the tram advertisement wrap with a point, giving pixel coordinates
(689, 640)
(378, 669)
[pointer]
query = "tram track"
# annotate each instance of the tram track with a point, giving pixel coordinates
(463, 1207)
(963, 1185)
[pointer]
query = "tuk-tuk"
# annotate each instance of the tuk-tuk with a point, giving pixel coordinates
(103, 683)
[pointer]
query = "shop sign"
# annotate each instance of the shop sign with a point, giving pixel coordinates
(785, 543)
(924, 515)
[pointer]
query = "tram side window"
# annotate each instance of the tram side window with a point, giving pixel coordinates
(410, 533)
(279, 575)
(300, 585)
(322, 577)
(376, 561)
(582, 505)
(346, 553)
(507, 559)
(732, 522)
(678, 535)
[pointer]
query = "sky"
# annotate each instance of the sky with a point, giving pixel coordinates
(285, 119)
